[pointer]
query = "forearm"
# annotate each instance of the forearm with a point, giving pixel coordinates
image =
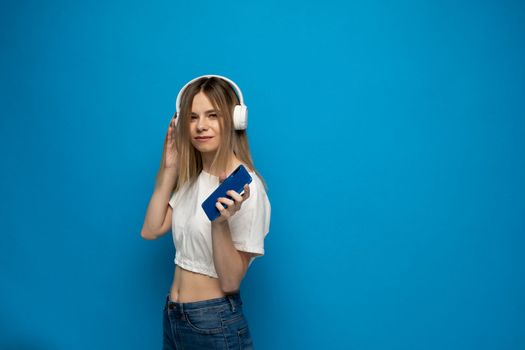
(158, 203)
(228, 261)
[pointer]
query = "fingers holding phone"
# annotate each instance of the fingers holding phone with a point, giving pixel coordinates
(217, 202)
(229, 206)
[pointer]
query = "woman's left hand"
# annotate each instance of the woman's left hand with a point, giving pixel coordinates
(233, 205)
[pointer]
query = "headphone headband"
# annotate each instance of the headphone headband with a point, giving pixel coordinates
(236, 88)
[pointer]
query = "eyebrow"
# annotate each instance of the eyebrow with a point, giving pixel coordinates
(207, 112)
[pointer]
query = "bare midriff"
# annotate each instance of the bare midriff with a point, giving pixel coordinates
(189, 286)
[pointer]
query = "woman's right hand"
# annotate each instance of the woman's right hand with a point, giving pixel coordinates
(170, 150)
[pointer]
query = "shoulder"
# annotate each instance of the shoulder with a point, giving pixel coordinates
(258, 197)
(256, 184)
(184, 192)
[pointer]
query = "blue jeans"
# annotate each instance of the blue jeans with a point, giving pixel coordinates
(209, 324)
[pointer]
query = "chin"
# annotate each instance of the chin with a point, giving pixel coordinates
(205, 149)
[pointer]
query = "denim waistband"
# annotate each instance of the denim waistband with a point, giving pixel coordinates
(233, 300)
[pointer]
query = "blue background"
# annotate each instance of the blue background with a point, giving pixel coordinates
(391, 135)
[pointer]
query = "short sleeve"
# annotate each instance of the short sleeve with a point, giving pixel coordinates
(177, 195)
(172, 200)
(250, 225)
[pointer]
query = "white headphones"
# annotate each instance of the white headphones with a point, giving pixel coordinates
(240, 112)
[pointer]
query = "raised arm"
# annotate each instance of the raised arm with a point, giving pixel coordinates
(158, 215)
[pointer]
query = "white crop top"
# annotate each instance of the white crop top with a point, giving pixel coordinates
(191, 228)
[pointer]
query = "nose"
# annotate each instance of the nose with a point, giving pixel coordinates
(202, 123)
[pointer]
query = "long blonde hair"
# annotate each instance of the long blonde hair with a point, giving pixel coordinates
(189, 161)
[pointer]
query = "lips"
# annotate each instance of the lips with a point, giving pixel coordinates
(203, 138)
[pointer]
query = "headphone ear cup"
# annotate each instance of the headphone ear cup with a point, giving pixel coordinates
(240, 117)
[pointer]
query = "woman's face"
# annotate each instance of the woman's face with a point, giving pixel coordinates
(205, 130)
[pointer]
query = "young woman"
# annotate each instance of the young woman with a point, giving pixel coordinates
(205, 142)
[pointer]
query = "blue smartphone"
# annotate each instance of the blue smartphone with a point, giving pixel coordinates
(236, 181)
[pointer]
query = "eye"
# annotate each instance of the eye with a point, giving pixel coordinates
(213, 115)
(193, 117)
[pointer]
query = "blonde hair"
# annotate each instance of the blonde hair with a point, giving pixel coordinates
(189, 161)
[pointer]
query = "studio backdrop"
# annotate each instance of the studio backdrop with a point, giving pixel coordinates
(390, 134)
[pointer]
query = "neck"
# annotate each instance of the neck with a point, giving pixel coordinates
(207, 159)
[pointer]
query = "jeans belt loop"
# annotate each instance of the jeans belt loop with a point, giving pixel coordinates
(232, 303)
